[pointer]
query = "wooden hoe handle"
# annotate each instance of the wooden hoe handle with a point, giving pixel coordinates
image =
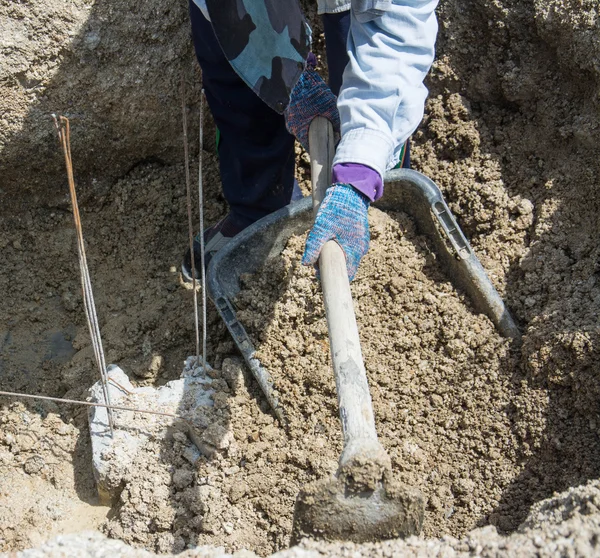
(356, 409)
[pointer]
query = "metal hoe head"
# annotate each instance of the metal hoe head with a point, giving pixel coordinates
(330, 509)
(361, 503)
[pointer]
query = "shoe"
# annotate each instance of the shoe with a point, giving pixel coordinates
(215, 238)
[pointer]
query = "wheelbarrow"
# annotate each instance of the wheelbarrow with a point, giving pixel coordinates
(405, 190)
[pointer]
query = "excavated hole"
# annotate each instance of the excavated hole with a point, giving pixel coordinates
(484, 429)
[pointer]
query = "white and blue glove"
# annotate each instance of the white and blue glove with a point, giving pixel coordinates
(342, 217)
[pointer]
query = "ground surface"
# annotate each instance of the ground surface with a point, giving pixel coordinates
(565, 525)
(483, 428)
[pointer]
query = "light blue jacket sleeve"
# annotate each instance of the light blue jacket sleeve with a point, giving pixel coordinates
(332, 6)
(382, 98)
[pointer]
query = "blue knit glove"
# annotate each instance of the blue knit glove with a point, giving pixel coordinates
(342, 217)
(311, 97)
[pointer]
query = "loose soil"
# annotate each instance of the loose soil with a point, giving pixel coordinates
(42, 493)
(484, 428)
(440, 376)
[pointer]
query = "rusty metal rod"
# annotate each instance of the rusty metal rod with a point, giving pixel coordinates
(64, 135)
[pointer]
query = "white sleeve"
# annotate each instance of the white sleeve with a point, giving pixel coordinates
(382, 98)
(333, 6)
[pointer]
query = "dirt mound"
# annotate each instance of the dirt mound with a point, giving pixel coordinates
(544, 534)
(182, 499)
(440, 382)
(114, 68)
(443, 369)
(510, 135)
(40, 494)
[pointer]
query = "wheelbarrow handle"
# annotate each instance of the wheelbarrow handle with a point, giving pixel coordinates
(355, 406)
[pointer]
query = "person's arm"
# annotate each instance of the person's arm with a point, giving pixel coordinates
(382, 97)
(380, 105)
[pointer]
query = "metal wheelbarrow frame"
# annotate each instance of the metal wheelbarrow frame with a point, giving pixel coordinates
(405, 190)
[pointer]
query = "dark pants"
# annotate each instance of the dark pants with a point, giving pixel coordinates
(256, 152)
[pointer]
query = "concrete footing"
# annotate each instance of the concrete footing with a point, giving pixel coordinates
(113, 456)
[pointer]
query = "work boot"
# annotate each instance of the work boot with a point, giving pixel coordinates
(215, 238)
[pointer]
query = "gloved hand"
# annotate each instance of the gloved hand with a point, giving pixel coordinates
(311, 97)
(342, 217)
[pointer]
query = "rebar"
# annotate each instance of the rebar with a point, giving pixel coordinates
(201, 211)
(64, 136)
(91, 404)
(188, 190)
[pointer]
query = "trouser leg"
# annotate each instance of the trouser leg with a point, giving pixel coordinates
(256, 152)
(336, 27)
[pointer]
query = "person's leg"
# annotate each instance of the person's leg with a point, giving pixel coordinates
(336, 27)
(256, 152)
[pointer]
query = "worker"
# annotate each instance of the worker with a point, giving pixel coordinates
(261, 84)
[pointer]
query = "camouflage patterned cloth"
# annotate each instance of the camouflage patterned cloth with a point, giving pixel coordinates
(266, 42)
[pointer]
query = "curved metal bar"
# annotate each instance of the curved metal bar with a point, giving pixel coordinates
(246, 253)
(412, 192)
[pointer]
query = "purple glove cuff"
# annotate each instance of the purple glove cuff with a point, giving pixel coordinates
(366, 180)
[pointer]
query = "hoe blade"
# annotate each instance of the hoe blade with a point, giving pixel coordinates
(327, 509)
